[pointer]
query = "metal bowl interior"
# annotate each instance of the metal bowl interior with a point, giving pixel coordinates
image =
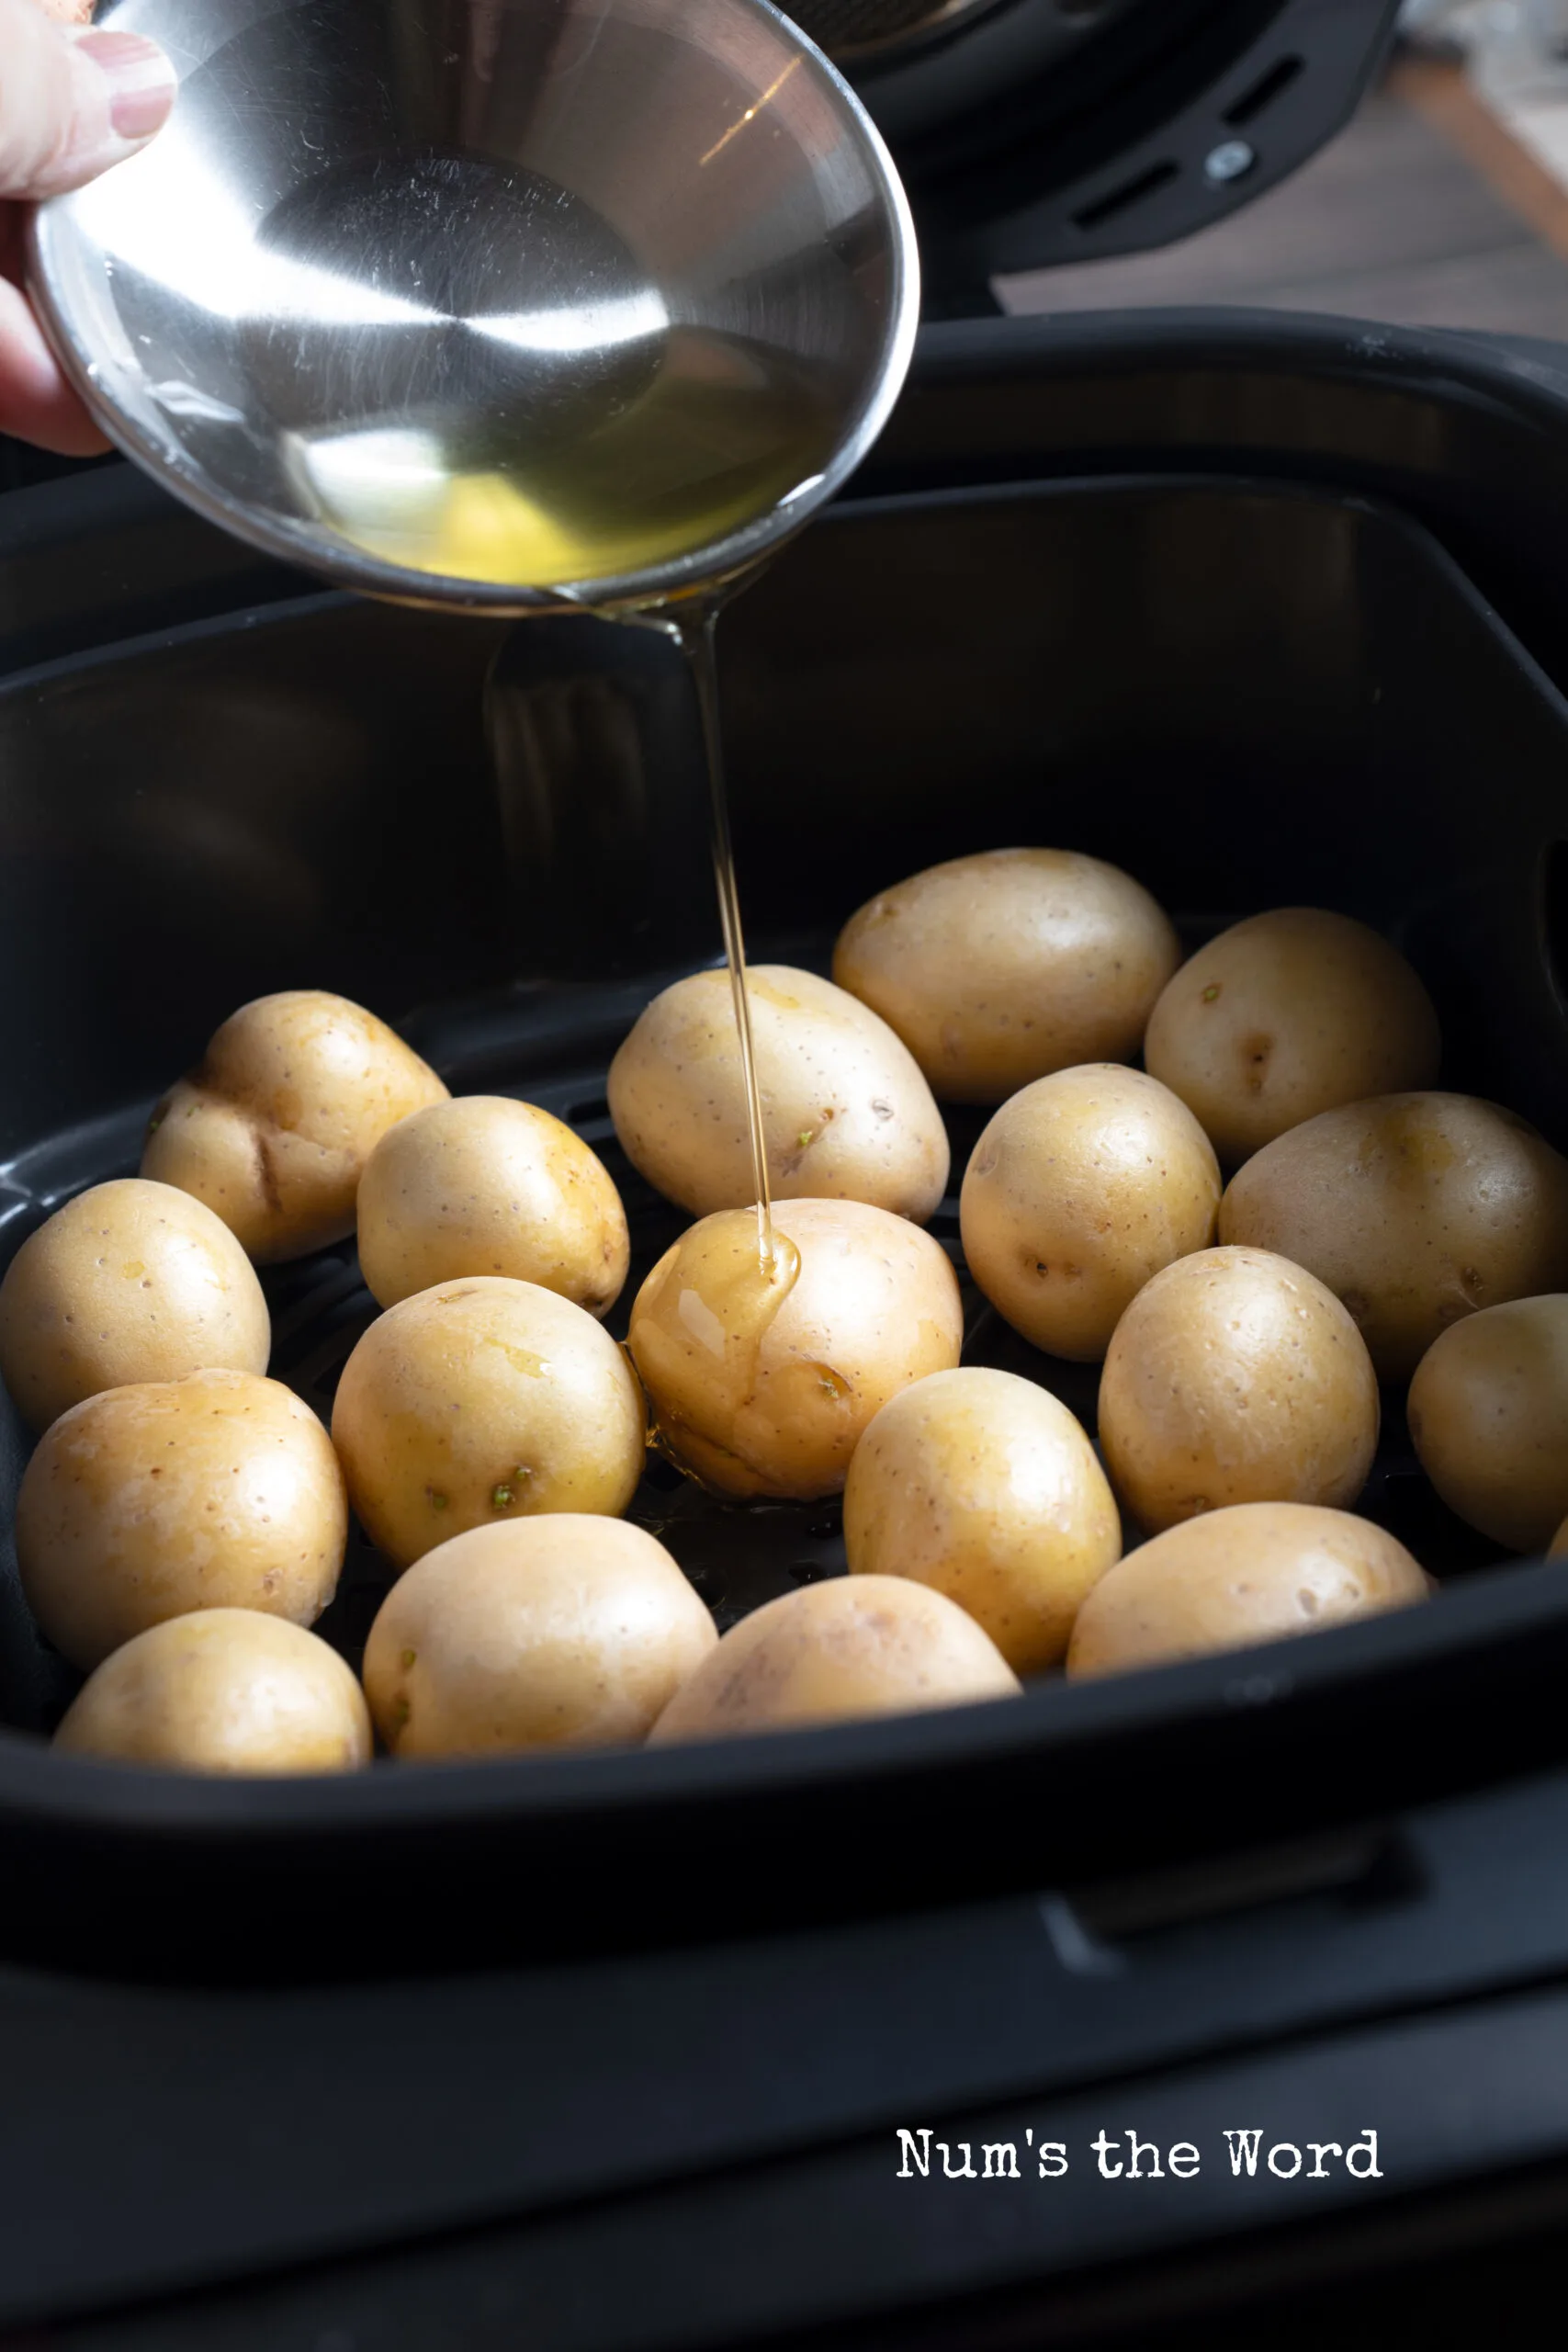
(495, 302)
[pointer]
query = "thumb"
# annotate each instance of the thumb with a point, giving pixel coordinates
(72, 103)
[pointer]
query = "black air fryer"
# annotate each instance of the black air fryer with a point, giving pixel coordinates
(687, 2048)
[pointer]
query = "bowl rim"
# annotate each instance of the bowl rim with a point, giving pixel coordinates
(310, 547)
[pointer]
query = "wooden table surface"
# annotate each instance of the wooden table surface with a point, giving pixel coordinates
(1426, 211)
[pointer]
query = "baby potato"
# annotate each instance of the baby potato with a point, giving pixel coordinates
(855, 1646)
(762, 1385)
(1001, 968)
(1080, 1189)
(220, 1491)
(1489, 1419)
(568, 1632)
(847, 1115)
(983, 1487)
(130, 1281)
(1285, 1015)
(1235, 1377)
(274, 1126)
(1415, 1209)
(1255, 1572)
(223, 1690)
(481, 1400)
(484, 1185)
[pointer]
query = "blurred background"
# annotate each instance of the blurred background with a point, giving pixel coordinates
(1444, 204)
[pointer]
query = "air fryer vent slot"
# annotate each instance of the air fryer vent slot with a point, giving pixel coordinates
(1263, 92)
(1123, 198)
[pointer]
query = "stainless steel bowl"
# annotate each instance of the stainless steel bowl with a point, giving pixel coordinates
(649, 254)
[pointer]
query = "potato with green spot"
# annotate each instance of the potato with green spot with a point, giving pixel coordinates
(480, 1398)
(561, 1633)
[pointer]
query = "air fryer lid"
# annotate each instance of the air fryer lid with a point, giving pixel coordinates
(1032, 134)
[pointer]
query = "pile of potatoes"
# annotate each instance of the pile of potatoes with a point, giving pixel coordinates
(1255, 1234)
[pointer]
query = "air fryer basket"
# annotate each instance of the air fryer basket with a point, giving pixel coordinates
(1246, 693)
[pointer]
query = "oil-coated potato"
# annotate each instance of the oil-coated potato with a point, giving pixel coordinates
(762, 1385)
(983, 1487)
(480, 1401)
(483, 1185)
(848, 1115)
(1001, 968)
(1285, 1015)
(132, 1280)
(855, 1646)
(222, 1491)
(223, 1690)
(566, 1632)
(1415, 1209)
(1080, 1189)
(1489, 1419)
(274, 1126)
(1235, 1377)
(1257, 1572)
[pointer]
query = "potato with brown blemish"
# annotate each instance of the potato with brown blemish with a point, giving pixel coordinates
(1257, 1572)
(273, 1127)
(999, 968)
(832, 1652)
(761, 1382)
(486, 1185)
(1079, 1190)
(1415, 1209)
(1488, 1414)
(1285, 1015)
(480, 1401)
(222, 1690)
(561, 1633)
(1235, 1377)
(983, 1487)
(845, 1111)
(130, 1281)
(222, 1491)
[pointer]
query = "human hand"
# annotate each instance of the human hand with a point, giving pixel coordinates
(74, 99)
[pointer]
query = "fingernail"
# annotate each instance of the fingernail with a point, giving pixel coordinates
(141, 80)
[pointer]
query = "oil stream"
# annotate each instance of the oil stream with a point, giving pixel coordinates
(715, 435)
